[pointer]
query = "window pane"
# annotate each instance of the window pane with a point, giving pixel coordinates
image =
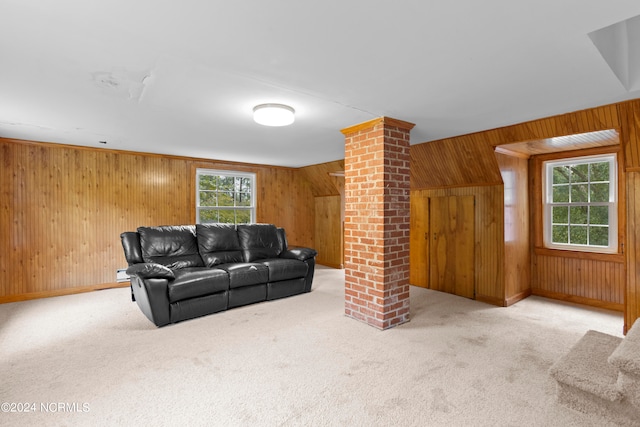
(579, 193)
(560, 215)
(208, 215)
(580, 173)
(599, 215)
(599, 192)
(560, 234)
(244, 199)
(226, 183)
(208, 182)
(208, 198)
(578, 235)
(561, 174)
(225, 198)
(600, 171)
(227, 216)
(245, 185)
(579, 214)
(599, 236)
(243, 216)
(560, 194)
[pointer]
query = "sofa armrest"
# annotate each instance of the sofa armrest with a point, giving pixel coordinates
(152, 296)
(150, 270)
(299, 253)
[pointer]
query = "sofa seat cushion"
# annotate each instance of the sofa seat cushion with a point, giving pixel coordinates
(245, 274)
(197, 281)
(285, 269)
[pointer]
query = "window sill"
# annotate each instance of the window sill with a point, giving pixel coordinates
(596, 256)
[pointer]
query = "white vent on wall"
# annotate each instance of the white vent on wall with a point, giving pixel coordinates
(121, 275)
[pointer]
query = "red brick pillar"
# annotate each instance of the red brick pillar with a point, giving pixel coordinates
(376, 234)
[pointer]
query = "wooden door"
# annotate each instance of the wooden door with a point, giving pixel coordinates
(419, 241)
(452, 245)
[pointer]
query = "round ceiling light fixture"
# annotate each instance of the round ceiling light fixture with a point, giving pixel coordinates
(273, 114)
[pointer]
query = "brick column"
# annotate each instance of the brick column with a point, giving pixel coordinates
(376, 229)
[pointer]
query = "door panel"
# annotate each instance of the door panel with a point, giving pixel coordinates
(419, 242)
(452, 245)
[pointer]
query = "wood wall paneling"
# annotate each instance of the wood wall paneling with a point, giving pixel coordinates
(517, 261)
(586, 281)
(454, 162)
(632, 301)
(322, 180)
(630, 139)
(329, 231)
(589, 278)
(630, 134)
(63, 209)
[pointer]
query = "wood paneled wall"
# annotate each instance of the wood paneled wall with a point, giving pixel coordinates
(329, 231)
(632, 300)
(588, 278)
(327, 185)
(630, 138)
(323, 179)
(588, 281)
(465, 162)
(517, 244)
(63, 208)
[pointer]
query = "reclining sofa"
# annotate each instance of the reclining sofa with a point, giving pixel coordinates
(181, 272)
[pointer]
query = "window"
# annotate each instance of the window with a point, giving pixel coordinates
(224, 196)
(580, 204)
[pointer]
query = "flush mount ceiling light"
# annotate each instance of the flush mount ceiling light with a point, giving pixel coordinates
(273, 114)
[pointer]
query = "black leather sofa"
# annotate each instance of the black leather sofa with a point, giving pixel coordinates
(181, 272)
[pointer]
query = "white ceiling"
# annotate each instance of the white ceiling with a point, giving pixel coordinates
(182, 77)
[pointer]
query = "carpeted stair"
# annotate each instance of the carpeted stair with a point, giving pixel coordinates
(601, 375)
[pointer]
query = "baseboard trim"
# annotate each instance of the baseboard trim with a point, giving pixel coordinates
(518, 297)
(578, 300)
(329, 264)
(490, 300)
(61, 292)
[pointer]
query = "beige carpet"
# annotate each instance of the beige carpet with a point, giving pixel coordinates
(96, 360)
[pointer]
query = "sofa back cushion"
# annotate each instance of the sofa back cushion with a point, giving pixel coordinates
(259, 241)
(131, 245)
(218, 244)
(172, 246)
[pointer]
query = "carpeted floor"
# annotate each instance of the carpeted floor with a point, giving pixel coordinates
(94, 359)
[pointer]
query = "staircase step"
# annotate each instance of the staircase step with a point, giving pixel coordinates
(627, 359)
(627, 356)
(586, 368)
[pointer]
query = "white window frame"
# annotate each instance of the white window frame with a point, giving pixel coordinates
(226, 173)
(548, 204)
